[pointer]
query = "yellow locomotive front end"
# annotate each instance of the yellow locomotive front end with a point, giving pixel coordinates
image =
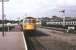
(29, 24)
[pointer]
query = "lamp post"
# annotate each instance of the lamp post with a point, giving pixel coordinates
(3, 15)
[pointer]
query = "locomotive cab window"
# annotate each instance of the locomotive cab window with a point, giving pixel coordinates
(29, 20)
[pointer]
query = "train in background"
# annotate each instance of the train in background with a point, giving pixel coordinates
(61, 24)
(29, 24)
(58, 22)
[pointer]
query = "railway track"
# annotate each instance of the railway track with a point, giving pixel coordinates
(57, 41)
(47, 41)
(53, 28)
(32, 42)
(60, 29)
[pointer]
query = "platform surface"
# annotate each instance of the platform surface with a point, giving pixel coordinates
(12, 41)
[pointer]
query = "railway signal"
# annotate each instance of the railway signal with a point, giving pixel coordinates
(63, 11)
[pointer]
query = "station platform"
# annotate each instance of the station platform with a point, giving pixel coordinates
(12, 41)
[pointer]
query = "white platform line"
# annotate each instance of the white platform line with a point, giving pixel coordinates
(24, 41)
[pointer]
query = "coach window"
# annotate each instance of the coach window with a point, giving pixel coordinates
(70, 22)
(73, 22)
(66, 23)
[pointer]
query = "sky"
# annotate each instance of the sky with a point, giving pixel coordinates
(15, 9)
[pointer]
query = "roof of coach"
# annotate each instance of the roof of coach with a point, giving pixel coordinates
(30, 17)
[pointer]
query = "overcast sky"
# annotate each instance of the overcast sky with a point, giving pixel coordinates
(38, 8)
